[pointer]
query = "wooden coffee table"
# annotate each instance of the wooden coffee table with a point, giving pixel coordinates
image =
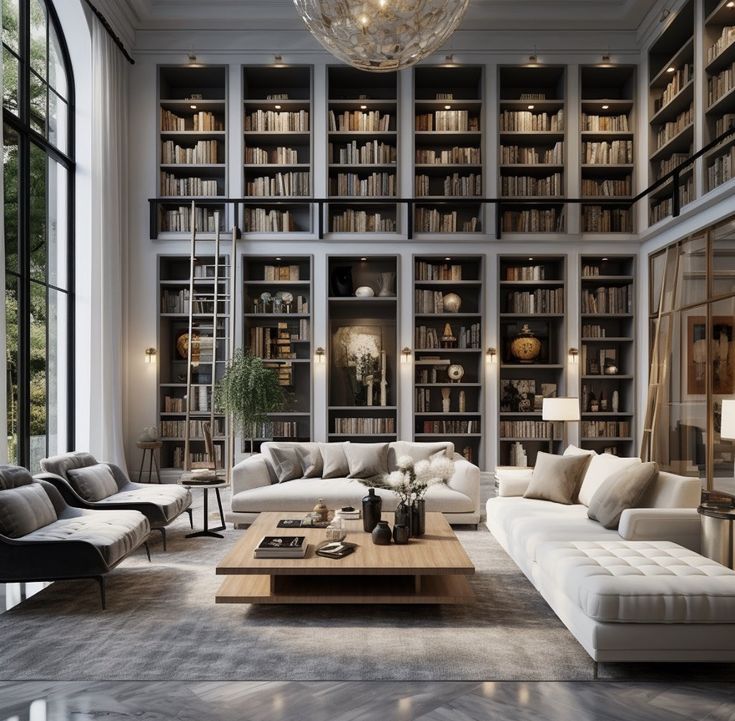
(430, 569)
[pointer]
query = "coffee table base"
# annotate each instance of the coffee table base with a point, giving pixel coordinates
(365, 589)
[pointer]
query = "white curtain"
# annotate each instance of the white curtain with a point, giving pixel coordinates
(109, 241)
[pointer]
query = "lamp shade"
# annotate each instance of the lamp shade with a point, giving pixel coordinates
(560, 409)
(727, 424)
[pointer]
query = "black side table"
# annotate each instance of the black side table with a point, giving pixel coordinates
(718, 542)
(206, 486)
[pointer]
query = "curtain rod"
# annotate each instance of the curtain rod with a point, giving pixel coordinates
(106, 25)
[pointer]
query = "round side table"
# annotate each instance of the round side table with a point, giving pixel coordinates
(149, 447)
(188, 481)
(718, 542)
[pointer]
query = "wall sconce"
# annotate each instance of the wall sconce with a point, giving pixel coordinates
(573, 356)
(320, 356)
(150, 356)
(492, 355)
(406, 355)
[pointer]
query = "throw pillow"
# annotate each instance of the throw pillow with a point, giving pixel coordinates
(311, 461)
(418, 451)
(622, 490)
(25, 509)
(556, 478)
(367, 460)
(601, 467)
(334, 459)
(93, 483)
(572, 450)
(286, 463)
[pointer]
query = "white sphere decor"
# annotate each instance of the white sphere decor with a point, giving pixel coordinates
(381, 35)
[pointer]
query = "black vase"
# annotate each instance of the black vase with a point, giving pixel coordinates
(342, 282)
(400, 534)
(372, 507)
(382, 535)
(402, 516)
(418, 517)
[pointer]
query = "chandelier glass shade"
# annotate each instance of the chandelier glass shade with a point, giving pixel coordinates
(381, 35)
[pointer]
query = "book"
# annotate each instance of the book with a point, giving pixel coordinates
(335, 549)
(281, 547)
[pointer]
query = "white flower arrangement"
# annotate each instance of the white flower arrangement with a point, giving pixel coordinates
(412, 479)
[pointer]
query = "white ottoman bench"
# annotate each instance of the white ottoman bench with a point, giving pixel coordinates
(640, 600)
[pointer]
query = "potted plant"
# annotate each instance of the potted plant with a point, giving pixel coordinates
(249, 391)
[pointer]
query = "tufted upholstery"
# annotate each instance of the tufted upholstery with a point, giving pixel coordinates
(640, 582)
(172, 500)
(25, 509)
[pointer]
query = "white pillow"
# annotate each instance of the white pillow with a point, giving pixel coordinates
(572, 450)
(419, 451)
(600, 468)
(335, 460)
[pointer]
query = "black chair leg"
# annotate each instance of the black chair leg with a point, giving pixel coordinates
(163, 536)
(191, 518)
(101, 581)
(147, 551)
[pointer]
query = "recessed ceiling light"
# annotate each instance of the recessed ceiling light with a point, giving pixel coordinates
(278, 258)
(604, 259)
(363, 107)
(447, 107)
(447, 258)
(193, 107)
(277, 107)
(671, 69)
(531, 107)
(730, 5)
(530, 258)
(605, 107)
(363, 259)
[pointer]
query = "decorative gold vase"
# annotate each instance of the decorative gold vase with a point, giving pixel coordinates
(525, 346)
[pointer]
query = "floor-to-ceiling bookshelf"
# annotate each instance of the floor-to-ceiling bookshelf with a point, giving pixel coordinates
(360, 325)
(278, 148)
(607, 148)
(531, 298)
(671, 110)
(532, 156)
(173, 328)
(277, 326)
(362, 151)
(192, 146)
(607, 355)
(719, 104)
(449, 352)
(448, 149)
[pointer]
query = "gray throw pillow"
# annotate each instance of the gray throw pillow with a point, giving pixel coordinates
(311, 461)
(93, 483)
(556, 478)
(335, 460)
(622, 490)
(286, 463)
(367, 460)
(25, 509)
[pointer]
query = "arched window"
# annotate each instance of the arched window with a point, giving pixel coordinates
(38, 180)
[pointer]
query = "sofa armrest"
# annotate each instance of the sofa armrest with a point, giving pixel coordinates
(466, 480)
(513, 481)
(679, 525)
(252, 472)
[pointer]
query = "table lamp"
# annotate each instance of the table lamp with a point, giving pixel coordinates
(564, 410)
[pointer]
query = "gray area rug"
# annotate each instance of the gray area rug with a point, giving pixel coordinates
(161, 623)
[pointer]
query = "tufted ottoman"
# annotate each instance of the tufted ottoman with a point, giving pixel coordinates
(640, 600)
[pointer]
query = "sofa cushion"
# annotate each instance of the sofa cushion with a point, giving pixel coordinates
(622, 490)
(61, 465)
(14, 476)
(311, 461)
(417, 451)
(334, 459)
(640, 581)
(286, 463)
(601, 466)
(93, 483)
(25, 509)
(171, 499)
(114, 533)
(556, 478)
(572, 450)
(367, 460)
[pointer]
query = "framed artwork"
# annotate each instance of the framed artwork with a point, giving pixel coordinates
(723, 355)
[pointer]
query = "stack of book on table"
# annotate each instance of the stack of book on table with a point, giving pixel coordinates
(281, 547)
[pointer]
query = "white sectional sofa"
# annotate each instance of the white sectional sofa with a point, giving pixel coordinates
(255, 487)
(639, 593)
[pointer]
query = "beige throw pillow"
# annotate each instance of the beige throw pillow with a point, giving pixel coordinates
(334, 459)
(367, 460)
(556, 478)
(286, 463)
(622, 490)
(311, 461)
(601, 467)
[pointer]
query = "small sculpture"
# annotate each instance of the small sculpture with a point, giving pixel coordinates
(455, 372)
(452, 303)
(364, 291)
(448, 339)
(446, 399)
(462, 402)
(526, 347)
(386, 285)
(148, 435)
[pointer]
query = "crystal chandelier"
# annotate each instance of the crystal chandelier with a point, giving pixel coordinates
(381, 35)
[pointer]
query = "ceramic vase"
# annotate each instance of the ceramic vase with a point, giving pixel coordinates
(372, 506)
(382, 535)
(401, 534)
(387, 285)
(525, 347)
(418, 518)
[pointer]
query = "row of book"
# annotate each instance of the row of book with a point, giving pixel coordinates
(197, 457)
(450, 156)
(364, 426)
(374, 185)
(720, 84)
(276, 429)
(178, 220)
(596, 219)
(526, 121)
(593, 330)
(361, 221)
(291, 184)
(263, 220)
(281, 272)
(431, 220)
(724, 123)
(199, 122)
(436, 428)
(271, 156)
(283, 370)
(541, 300)
(615, 152)
(438, 271)
(209, 270)
(671, 129)
(177, 429)
(678, 79)
(273, 121)
(203, 153)
(523, 155)
(610, 188)
(610, 300)
(668, 164)
(429, 301)
(727, 38)
(372, 121)
(525, 272)
(513, 186)
(424, 403)
(201, 398)
(433, 375)
(430, 338)
(526, 429)
(448, 120)
(273, 342)
(663, 208)
(605, 123)
(173, 301)
(452, 186)
(548, 220)
(605, 429)
(720, 170)
(374, 152)
(173, 186)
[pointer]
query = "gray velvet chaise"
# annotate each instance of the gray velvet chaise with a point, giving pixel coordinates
(42, 538)
(85, 483)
